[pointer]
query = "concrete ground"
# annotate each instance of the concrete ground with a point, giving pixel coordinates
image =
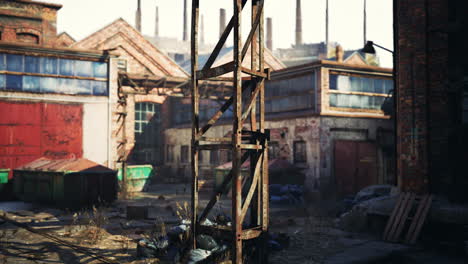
(107, 232)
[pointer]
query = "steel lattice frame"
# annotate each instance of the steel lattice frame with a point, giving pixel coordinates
(245, 144)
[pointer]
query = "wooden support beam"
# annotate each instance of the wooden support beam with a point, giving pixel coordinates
(221, 42)
(216, 71)
(195, 119)
(253, 187)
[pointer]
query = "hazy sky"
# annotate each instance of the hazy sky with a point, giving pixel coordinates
(83, 17)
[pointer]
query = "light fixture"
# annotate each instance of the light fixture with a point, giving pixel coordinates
(369, 47)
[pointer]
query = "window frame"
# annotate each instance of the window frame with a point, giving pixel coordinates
(296, 159)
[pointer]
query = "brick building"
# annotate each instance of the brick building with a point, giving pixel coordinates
(432, 100)
(54, 102)
(324, 118)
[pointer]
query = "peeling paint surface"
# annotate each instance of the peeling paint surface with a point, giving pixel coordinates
(31, 130)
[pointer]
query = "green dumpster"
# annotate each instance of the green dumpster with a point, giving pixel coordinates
(69, 183)
(138, 176)
(3, 177)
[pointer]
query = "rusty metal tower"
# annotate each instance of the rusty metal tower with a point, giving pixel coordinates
(249, 194)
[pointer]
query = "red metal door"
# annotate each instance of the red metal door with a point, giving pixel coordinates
(31, 130)
(355, 165)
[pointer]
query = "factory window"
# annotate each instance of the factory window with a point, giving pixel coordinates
(358, 92)
(300, 152)
(297, 93)
(122, 65)
(184, 153)
(273, 150)
(147, 133)
(169, 153)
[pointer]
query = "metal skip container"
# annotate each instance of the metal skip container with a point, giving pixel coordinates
(66, 183)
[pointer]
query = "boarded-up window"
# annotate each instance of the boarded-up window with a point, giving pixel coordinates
(184, 152)
(300, 152)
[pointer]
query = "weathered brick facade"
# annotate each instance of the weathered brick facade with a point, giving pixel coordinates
(28, 21)
(428, 111)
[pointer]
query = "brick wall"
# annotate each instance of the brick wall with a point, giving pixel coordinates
(20, 22)
(424, 120)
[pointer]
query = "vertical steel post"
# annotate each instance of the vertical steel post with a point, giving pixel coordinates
(237, 137)
(195, 118)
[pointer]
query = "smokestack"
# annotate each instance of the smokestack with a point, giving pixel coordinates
(202, 31)
(185, 36)
(156, 23)
(269, 38)
(326, 26)
(138, 17)
(339, 53)
(365, 22)
(298, 23)
(222, 21)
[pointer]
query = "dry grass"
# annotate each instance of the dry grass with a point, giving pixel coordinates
(91, 223)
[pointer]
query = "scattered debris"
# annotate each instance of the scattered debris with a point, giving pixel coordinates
(286, 194)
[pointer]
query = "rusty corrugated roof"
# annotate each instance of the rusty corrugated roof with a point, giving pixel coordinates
(64, 165)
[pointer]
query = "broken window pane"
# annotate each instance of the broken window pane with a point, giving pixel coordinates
(66, 67)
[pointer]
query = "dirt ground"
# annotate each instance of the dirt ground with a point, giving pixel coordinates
(106, 231)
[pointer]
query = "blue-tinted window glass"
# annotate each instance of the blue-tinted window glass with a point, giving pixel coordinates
(14, 62)
(100, 69)
(379, 86)
(99, 88)
(2, 81)
(388, 86)
(14, 82)
(66, 67)
(355, 101)
(367, 85)
(31, 84)
(333, 100)
(48, 65)
(84, 68)
(65, 86)
(343, 100)
(378, 101)
(333, 82)
(355, 83)
(2, 62)
(83, 87)
(31, 64)
(48, 84)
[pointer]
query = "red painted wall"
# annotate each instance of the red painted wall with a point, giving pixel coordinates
(32, 130)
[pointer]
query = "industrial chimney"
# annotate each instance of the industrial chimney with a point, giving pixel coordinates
(339, 54)
(185, 36)
(138, 17)
(202, 30)
(156, 23)
(326, 27)
(269, 37)
(365, 22)
(298, 23)
(222, 21)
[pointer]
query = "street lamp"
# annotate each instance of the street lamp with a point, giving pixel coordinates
(388, 106)
(369, 47)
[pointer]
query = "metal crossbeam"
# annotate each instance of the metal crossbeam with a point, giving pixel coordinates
(245, 145)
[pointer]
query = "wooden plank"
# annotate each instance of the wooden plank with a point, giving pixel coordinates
(195, 119)
(221, 42)
(251, 108)
(258, 9)
(214, 146)
(251, 234)
(237, 130)
(422, 219)
(220, 191)
(216, 71)
(215, 139)
(416, 218)
(399, 211)
(403, 218)
(392, 217)
(252, 189)
(251, 146)
(254, 73)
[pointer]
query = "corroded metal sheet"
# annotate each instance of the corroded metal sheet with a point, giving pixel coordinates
(29, 131)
